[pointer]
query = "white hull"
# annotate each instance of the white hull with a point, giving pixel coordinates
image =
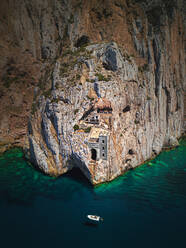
(94, 218)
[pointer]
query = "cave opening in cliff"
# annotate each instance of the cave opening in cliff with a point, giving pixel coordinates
(77, 175)
(93, 154)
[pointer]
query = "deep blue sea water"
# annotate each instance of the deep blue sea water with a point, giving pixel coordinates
(145, 207)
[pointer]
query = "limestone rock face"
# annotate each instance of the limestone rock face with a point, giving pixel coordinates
(31, 35)
(101, 82)
(121, 126)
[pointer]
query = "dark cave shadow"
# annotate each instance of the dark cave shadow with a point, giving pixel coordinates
(79, 170)
(77, 175)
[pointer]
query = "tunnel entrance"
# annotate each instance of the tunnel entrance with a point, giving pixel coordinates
(93, 154)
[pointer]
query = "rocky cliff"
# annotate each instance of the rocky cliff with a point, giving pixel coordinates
(101, 82)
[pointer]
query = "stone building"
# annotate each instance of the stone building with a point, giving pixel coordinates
(100, 112)
(92, 118)
(103, 147)
(97, 144)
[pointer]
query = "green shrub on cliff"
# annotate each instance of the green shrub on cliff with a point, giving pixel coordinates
(76, 111)
(34, 108)
(76, 127)
(87, 130)
(101, 77)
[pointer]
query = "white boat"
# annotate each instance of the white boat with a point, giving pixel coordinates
(94, 217)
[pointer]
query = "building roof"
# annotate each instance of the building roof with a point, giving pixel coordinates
(102, 103)
(96, 132)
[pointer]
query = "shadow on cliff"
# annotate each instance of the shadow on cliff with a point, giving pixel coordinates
(77, 175)
(79, 171)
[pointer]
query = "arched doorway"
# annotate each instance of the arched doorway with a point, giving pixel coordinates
(93, 154)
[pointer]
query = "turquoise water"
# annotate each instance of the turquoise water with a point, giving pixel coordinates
(146, 207)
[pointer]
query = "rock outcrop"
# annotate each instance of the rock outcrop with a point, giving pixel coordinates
(127, 120)
(110, 94)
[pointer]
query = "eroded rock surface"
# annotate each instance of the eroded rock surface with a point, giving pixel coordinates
(103, 117)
